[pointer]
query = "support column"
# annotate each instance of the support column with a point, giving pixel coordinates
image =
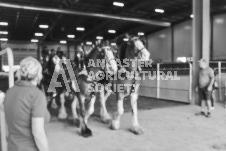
(206, 30)
(201, 40)
(1, 62)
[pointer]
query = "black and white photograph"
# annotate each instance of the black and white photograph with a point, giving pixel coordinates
(112, 75)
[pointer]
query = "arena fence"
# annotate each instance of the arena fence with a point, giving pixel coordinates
(178, 90)
(10, 74)
(220, 72)
(169, 81)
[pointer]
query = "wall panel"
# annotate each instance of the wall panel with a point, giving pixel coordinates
(219, 37)
(20, 51)
(182, 40)
(160, 45)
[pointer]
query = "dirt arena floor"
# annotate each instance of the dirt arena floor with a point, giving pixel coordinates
(168, 126)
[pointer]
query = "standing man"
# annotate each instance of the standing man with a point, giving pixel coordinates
(206, 80)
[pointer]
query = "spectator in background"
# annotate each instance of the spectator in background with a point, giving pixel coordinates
(26, 110)
(58, 50)
(206, 81)
(45, 50)
(215, 88)
(60, 53)
(45, 55)
(52, 52)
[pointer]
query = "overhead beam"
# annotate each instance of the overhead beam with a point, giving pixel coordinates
(54, 24)
(188, 10)
(69, 28)
(91, 14)
(52, 27)
(34, 22)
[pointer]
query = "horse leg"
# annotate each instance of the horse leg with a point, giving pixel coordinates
(90, 109)
(104, 115)
(136, 129)
(115, 124)
(74, 105)
(62, 112)
(53, 104)
(85, 131)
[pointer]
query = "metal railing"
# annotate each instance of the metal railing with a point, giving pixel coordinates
(185, 69)
(3, 129)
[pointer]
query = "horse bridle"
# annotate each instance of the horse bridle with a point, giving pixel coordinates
(138, 68)
(107, 48)
(138, 50)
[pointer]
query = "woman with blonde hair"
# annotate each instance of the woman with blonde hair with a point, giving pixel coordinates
(26, 109)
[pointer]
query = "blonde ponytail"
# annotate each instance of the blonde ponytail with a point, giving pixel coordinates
(29, 69)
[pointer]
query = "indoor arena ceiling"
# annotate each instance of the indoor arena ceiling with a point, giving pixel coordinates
(24, 23)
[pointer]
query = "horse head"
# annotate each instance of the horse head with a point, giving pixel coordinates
(134, 48)
(137, 49)
(105, 54)
(54, 63)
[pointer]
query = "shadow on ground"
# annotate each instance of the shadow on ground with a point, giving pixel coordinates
(144, 103)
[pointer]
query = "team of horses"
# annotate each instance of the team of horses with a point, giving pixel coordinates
(82, 95)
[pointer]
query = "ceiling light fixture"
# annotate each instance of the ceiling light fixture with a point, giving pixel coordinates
(3, 39)
(157, 10)
(3, 23)
(34, 40)
(119, 4)
(125, 39)
(111, 31)
(192, 16)
(4, 32)
(43, 26)
(80, 29)
(70, 36)
(99, 37)
(140, 34)
(89, 43)
(63, 41)
(38, 34)
(113, 44)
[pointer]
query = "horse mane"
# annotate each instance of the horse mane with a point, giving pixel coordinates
(88, 56)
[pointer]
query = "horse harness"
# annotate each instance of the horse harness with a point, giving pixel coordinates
(138, 68)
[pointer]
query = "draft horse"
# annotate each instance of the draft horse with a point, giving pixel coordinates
(51, 65)
(48, 62)
(133, 49)
(86, 92)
